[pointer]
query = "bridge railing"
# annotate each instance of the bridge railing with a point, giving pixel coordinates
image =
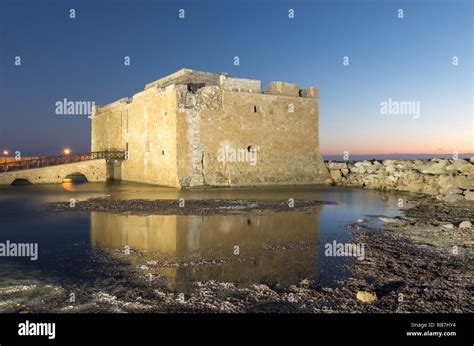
(61, 160)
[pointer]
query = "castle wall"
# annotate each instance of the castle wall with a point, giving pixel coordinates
(146, 129)
(107, 126)
(282, 129)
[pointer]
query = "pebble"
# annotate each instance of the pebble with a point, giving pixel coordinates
(366, 297)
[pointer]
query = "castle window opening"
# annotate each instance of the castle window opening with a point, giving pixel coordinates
(193, 87)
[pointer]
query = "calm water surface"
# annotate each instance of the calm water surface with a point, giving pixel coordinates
(274, 248)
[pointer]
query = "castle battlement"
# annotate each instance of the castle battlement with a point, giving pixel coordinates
(195, 80)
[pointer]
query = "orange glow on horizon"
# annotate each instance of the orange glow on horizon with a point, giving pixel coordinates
(371, 147)
(398, 152)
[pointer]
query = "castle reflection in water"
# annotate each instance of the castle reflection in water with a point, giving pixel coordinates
(273, 247)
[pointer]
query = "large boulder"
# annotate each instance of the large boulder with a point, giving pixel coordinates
(464, 182)
(392, 178)
(372, 180)
(434, 167)
(446, 183)
(390, 169)
(430, 189)
(337, 165)
(402, 164)
(335, 175)
(374, 167)
(355, 170)
(461, 166)
(360, 167)
(388, 162)
(469, 195)
(453, 198)
(452, 191)
(414, 186)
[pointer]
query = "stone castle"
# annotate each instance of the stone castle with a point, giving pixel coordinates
(195, 128)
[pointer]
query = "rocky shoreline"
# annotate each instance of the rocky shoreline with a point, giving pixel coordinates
(450, 180)
(421, 261)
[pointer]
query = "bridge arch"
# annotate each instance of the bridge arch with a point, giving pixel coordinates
(75, 177)
(20, 182)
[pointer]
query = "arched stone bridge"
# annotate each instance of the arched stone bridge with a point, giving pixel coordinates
(96, 167)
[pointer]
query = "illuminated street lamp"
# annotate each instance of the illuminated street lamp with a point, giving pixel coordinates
(67, 151)
(5, 153)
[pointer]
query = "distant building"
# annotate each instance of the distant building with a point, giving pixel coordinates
(195, 128)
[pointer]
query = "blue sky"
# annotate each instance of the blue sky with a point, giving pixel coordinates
(407, 59)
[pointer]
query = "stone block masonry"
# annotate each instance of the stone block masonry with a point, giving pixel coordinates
(448, 180)
(175, 130)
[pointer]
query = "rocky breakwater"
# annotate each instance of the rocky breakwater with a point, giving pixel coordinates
(449, 180)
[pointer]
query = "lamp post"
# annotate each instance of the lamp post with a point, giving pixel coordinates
(66, 152)
(5, 153)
